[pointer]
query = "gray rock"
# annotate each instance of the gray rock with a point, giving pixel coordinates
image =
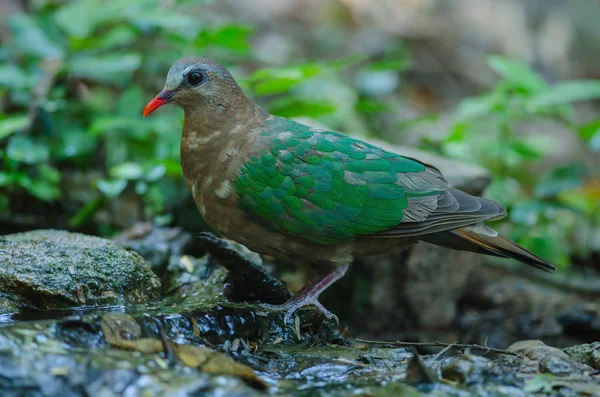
(555, 366)
(51, 269)
(588, 354)
(155, 244)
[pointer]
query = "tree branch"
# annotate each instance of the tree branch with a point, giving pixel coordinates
(441, 344)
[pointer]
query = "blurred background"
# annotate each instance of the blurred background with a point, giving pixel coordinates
(512, 86)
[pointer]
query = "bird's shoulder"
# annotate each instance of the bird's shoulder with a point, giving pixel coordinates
(286, 139)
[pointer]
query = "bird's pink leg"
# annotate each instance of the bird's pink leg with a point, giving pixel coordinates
(310, 293)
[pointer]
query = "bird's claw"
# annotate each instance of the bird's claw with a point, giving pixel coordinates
(291, 306)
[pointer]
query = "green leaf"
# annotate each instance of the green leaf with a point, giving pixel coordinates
(516, 73)
(131, 101)
(233, 37)
(74, 143)
(172, 168)
(80, 18)
(45, 185)
(372, 105)
(459, 132)
(507, 191)
(12, 124)
(526, 150)
(277, 81)
(105, 124)
(566, 93)
(49, 174)
(590, 133)
(44, 190)
(25, 150)
(6, 178)
(141, 187)
(127, 171)
(587, 131)
(529, 212)
(30, 38)
(170, 21)
(275, 85)
(295, 107)
(15, 78)
(482, 105)
(85, 213)
(119, 36)
(107, 68)
(155, 173)
(417, 121)
(111, 188)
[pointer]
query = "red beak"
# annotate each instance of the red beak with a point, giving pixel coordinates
(162, 98)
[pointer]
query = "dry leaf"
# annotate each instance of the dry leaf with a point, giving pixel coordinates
(195, 329)
(119, 326)
(121, 330)
(216, 363)
(187, 263)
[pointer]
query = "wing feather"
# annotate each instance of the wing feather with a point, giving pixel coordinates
(329, 188)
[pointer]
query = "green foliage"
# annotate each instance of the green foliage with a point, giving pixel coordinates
(77, 76)
(488, 131)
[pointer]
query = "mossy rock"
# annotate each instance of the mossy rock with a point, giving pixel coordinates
(51, 269)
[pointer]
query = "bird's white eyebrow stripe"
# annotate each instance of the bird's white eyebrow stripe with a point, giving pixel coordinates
(186, 70)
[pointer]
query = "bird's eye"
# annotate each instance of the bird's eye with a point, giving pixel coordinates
(195, 78)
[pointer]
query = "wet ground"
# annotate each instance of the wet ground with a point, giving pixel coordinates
(202, 338)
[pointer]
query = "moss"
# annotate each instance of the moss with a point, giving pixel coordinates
(53, 269)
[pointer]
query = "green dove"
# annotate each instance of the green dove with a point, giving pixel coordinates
(287, 190)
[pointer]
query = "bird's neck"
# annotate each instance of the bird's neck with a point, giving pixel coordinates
(214, 142)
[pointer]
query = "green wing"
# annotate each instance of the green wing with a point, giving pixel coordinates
(329, 188)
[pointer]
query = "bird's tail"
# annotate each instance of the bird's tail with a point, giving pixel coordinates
(483, 239)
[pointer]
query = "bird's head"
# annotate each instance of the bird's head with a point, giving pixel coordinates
(197, 84)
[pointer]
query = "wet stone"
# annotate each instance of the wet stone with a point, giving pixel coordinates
(155, 244)
(468, 369)
(555, 366)
(50, 269)
(587, 353)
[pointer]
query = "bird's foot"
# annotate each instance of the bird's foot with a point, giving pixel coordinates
(310, 295)
(293, 304)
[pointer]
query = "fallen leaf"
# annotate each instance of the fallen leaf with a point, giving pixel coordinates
(195, 329)
(122, 331)
(297, 327)
(60, 371)
(143, 345)
(119, 326)
(216, 363)
(187, 263)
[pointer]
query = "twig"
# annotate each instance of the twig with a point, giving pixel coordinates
(441, 344)
(444, 350)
